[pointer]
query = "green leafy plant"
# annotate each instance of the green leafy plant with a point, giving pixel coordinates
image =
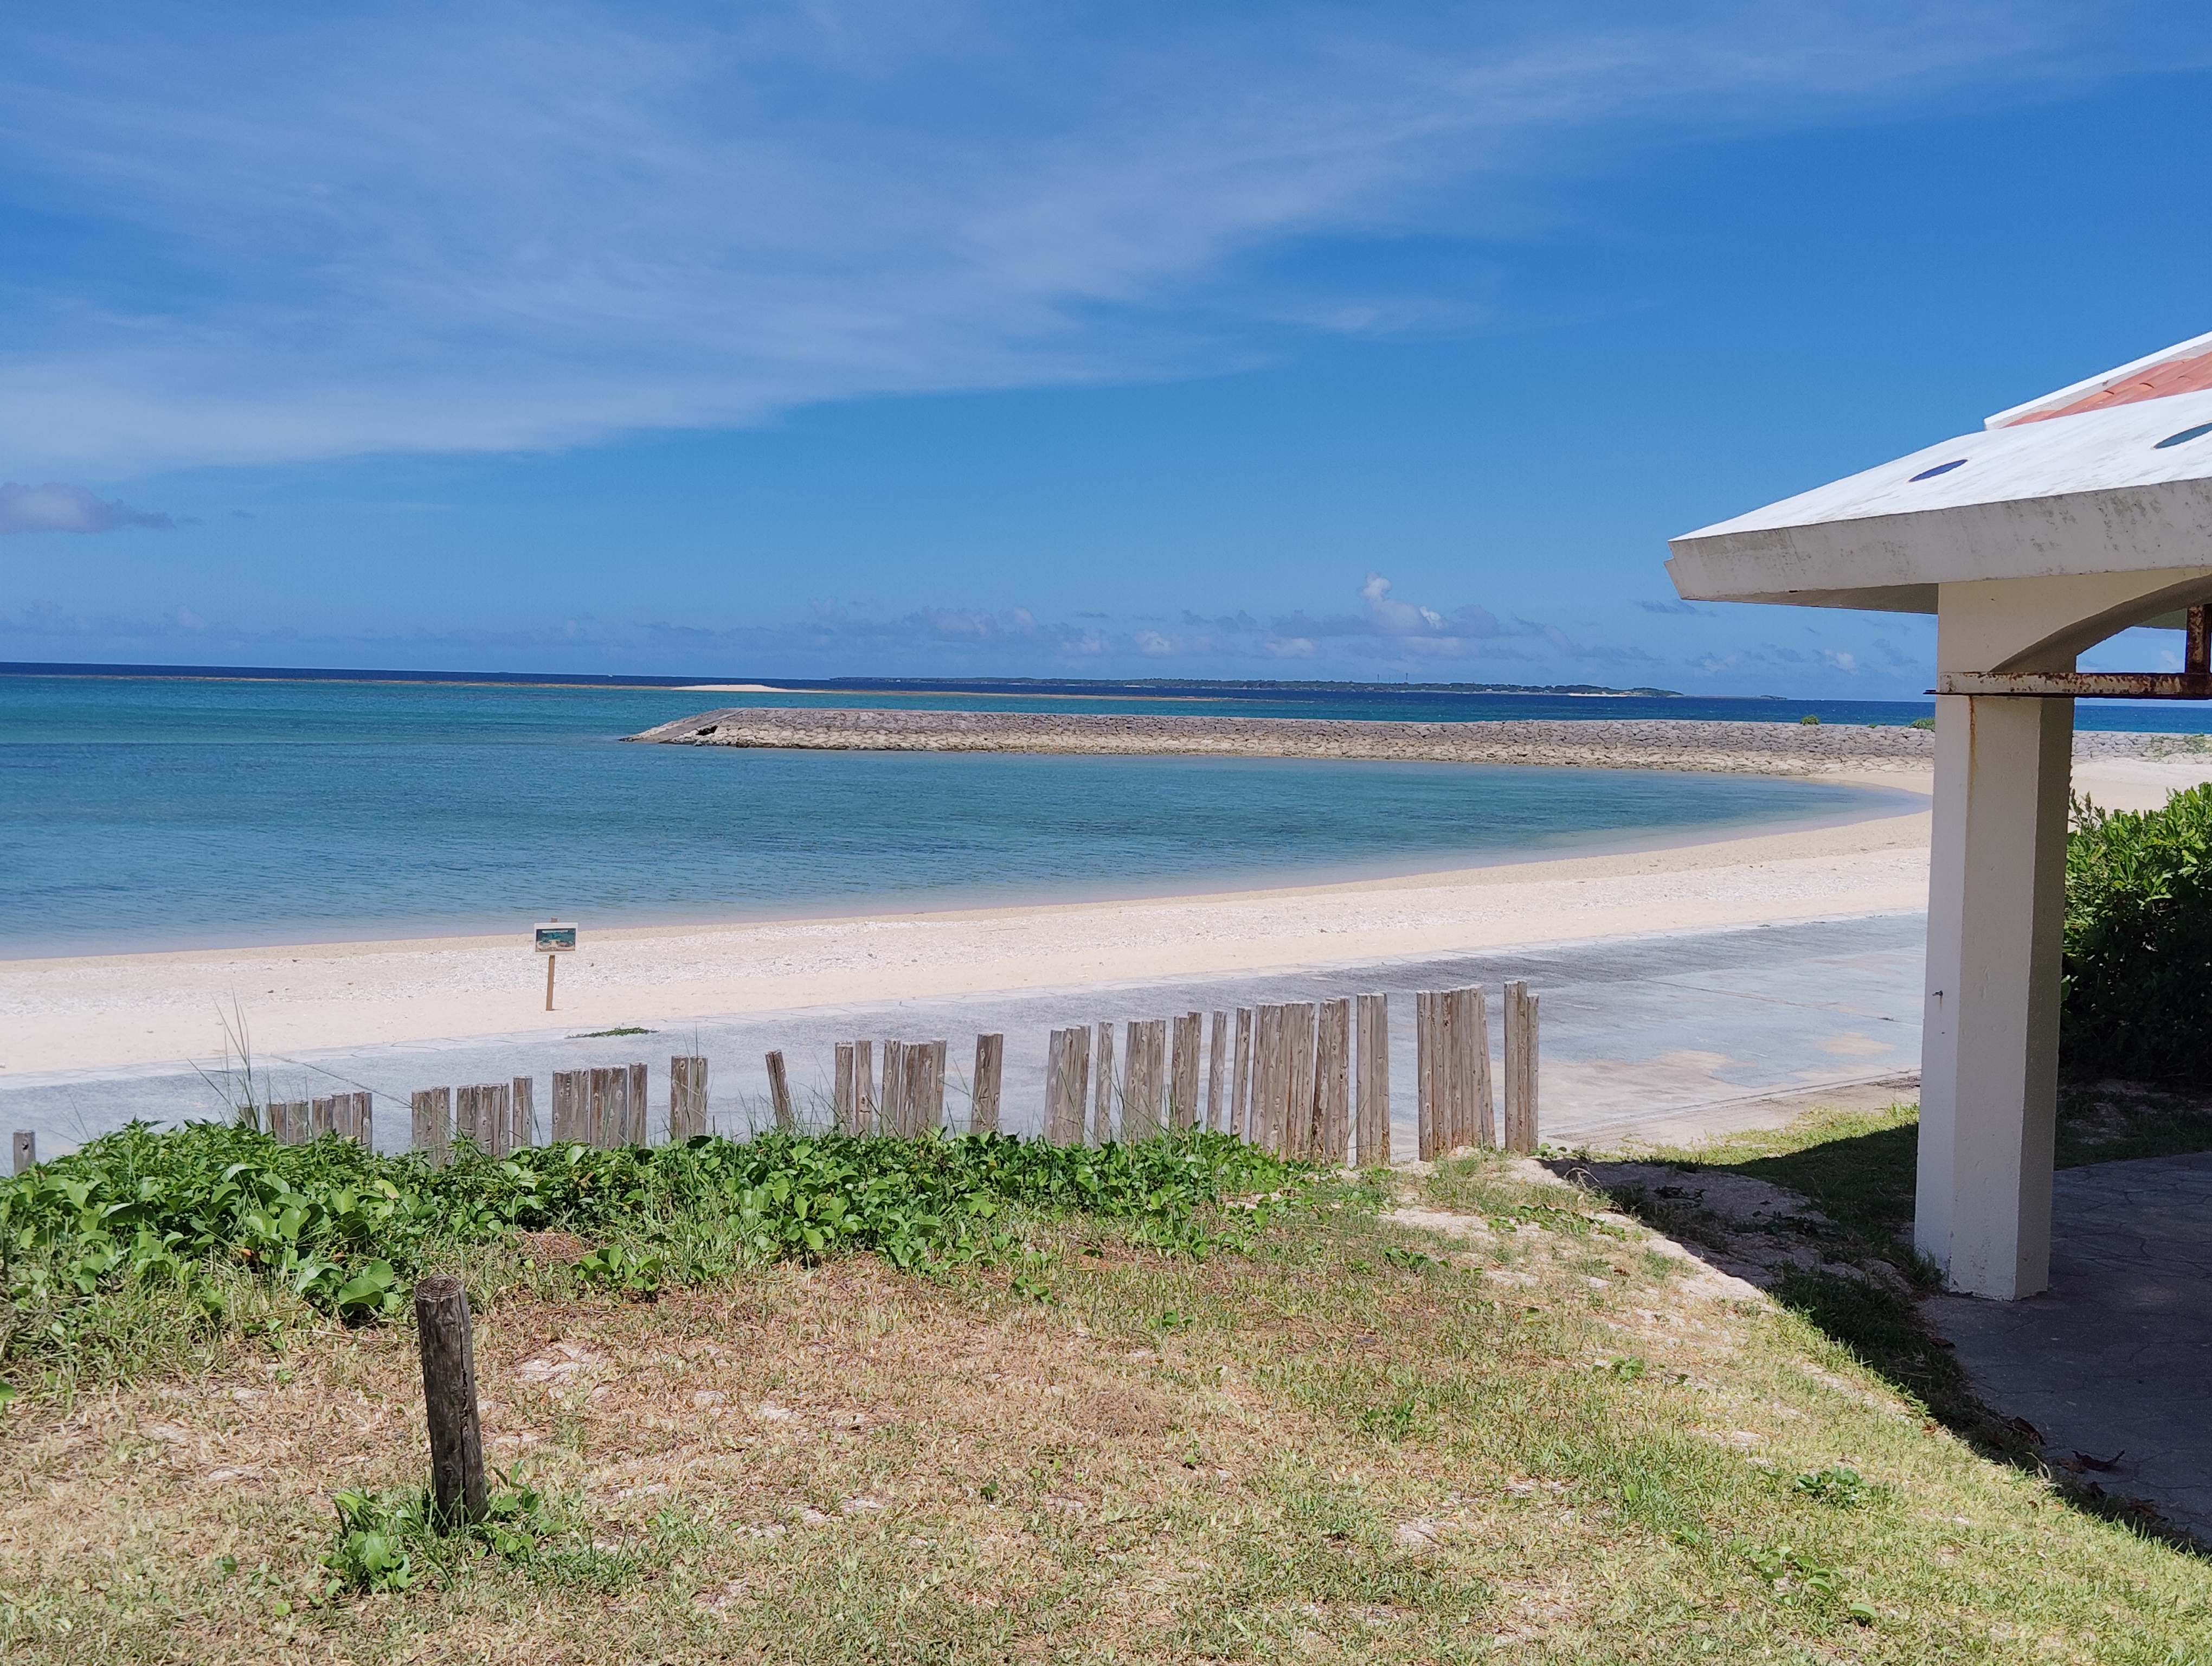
(1839, 1484)
(201, 1212)
(2137, 1001)
(386, 1541)
(1413, 1260)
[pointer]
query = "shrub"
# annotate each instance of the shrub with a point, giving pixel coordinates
(189, 1227)
(2137, 999)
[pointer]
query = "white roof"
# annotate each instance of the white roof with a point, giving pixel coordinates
(2122, 483)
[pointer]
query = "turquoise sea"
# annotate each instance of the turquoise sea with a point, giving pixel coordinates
(144, 814)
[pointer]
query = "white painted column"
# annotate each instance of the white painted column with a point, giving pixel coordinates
(1990, 1055)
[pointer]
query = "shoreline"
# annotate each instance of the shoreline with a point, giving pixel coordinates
(74, 1014)
(1894, 795)
(80, 1015)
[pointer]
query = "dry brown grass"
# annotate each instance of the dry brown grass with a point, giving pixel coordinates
(1548, 1442)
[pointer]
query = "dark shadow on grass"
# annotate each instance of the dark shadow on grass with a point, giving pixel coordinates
(1863, 1184)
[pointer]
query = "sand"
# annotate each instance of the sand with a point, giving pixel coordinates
(121, 1011)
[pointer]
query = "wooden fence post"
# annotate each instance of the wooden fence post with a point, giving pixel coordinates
(26, 1144)
(1217, 1072)
(864, 1088)
(1521, 1128)
(1183, 1072)
(1143, 1083)
(1374, 1101)
(1468, 1051)
(1077, 1088)
(1240, 1087)
(1425, 1075)
(844, 1097)
(1483, 1132)
(522, 1114)
(1059, 1063)
(1265, 1056)
(891, 1111)
(464, 1114)
(569, 1090)
(1102, 1104)
(983, 1095)
(936, 1070)
(449, 1400)
(687, 1096)
(321, 1116)
(1333, 1080)
(779, 1093)
(595, 1107)
(1298, 1069)
(433, 1132)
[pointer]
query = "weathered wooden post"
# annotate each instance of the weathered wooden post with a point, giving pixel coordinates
(779, 1093)
(1426, 1073)
(1483, 1131)
(522, 1114)
(27, 1149)
(1373, 1110)
(1302, 1098)
(322, 1116)
(983, 1099)
(1240, 1089)
(1266, 1067)
(1143, 1080)
(571, 1089)
(593, 1124)
(449, 1400)
(891, 1111)
(1333, 1081)
(1183, 1072)
(932, 1103)
(687, 1097)
(1520, 1068)
(1217, 1072)
(843, 1098)
(433, 1133)
(864, 1088)
(1101, 1110)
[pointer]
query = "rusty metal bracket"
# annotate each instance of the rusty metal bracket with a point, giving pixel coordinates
(2193, 683)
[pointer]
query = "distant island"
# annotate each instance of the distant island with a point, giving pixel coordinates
(819, 686)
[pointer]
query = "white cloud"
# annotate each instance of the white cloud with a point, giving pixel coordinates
(54, 507)
(500, 226)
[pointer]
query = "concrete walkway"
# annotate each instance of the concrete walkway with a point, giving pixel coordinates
(1658, 1037)
(2113, 1362)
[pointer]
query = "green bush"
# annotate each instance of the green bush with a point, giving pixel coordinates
(144, 1228)
(2137, 999)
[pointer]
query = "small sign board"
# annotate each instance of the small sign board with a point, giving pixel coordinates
(555, 937)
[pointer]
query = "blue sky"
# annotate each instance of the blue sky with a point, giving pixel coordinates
(1284, 341)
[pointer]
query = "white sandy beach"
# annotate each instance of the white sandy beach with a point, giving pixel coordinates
(116, 1012)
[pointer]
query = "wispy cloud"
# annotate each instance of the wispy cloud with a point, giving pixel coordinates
(421, 228)
(54, 507)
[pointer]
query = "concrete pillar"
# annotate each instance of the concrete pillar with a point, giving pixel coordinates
(1990, 1055)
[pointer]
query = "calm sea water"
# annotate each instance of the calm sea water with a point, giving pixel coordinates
(140, 813)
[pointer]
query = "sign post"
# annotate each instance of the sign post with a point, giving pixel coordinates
(554, 938)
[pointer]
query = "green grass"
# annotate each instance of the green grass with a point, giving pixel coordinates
(1357, 1441)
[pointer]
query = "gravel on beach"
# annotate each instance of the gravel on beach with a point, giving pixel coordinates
(1767, 749)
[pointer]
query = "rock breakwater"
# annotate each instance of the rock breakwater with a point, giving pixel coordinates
(1784, 749)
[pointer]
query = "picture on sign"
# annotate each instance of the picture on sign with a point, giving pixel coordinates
(554, 938)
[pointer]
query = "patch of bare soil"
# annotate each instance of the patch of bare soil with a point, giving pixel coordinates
(1737, 1227)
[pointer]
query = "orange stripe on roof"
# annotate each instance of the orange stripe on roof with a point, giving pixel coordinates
(2159, 381)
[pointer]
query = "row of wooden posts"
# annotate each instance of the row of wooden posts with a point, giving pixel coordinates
(1304, 1079)
(1292, 1081)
